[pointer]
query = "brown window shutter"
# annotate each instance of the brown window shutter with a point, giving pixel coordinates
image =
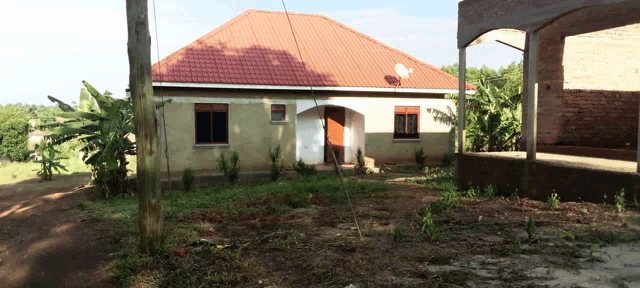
(220, 107)
(401, 109)
(413, 109)
(203, 107)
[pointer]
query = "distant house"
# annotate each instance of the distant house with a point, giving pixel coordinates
(37, 135)
(243, 87)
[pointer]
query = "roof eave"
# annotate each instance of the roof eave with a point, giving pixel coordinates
(308, 88)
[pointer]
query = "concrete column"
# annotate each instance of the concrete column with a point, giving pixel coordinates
(462, 71)
(532, 96)
(638, 149)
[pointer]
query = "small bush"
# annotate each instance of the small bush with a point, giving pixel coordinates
(635, 200)
(303, 169)
(620, 200)
(230, 167)
(531, 227)
(277, 168)
(515, 245)
(448, 201)
(398, 234)
(553, 201)
(429, 227)
(471, 193)
(187, 179)
(420, 156)
(361, 167)
(489, 192)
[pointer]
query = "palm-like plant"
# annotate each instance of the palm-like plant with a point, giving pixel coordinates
(49, 160)
(105, 131)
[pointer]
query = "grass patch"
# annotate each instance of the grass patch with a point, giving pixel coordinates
(441, 179)
(166, 270)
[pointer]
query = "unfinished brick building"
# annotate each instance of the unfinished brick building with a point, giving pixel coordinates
(584, 97)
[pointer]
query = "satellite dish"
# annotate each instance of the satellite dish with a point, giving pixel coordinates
(402, 71)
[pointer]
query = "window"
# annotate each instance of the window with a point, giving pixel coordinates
(407, 122)
(212, 123)
(278, 112)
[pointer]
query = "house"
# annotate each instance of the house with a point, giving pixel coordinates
(243, 87)
(37, 135)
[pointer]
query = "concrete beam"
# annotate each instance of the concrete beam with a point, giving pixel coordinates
(462, 78)
(476, 17)
(532, 96)
(510, 37)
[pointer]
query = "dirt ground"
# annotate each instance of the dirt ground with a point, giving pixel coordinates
(320, 246)
(43, 242)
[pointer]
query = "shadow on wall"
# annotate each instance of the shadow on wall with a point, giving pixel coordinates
(254, 65)
(384, 148)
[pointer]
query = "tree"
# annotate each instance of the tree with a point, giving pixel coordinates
(494, 112)
(14, 133)
(49, 160)
(105, 131)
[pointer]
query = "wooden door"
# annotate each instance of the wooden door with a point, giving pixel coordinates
(334, 119)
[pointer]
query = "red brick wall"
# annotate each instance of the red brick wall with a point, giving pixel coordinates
(607, 119)
(587, 87)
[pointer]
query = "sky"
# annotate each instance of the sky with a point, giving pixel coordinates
(49, 47)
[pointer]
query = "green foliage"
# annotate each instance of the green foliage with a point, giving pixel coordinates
(361, 167)
(515, 245)
(494, 112)
(429, 227)
(188, 178)
(620, 200)
(447, 202)
(420, 156)
(14, 133)
(277, 167)
(441, 179)
(531, 227)
(230, 167)
(489, 192)
(471, 193)
(398, 234)
(105, 132)
(49, 160)
(635, 200)
(303, 169)
(553, 201)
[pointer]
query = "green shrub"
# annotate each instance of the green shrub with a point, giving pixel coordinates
(398, 234)
(14, 133)
(420, 156)
(471, 193)
(230, 167)
(635, 200)
(531, 227)
(188, 178)
(515, 245)
(448, 201)
(489, 192)
(553, 201)
(620, 200)
(277, 168)
(429, 227)
(303, 169)
(49, 160)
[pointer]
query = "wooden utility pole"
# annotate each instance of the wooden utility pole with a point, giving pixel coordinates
(140, 84)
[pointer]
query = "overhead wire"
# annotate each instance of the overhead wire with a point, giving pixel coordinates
(164, 126)
(324, 127)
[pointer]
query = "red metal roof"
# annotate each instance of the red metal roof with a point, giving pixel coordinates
(257, 47)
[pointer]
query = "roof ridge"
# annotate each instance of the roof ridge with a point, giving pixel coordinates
(369, 38)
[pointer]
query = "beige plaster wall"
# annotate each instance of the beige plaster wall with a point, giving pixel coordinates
(434, 133)
(250, 133)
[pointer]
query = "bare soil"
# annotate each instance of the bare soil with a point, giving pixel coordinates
(320, 246)
(43, 240)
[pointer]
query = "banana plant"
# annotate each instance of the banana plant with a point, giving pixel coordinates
(48, 160)
(105, 131)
